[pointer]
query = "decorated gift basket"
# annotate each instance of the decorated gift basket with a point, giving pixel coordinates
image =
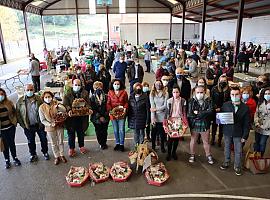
(77, 176)
(59, 113)
(118, 112)
(79, 108)
(156, 174)
(173, 127)
(98, 172)
(120, 171)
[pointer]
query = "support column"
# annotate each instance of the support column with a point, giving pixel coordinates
(203, 23)
(183, 24)
(171, 26)
(108, 25)
(26, 31)
(137, 22)
(77, 21)
(3, 46)
(238, 29)
(43, 32)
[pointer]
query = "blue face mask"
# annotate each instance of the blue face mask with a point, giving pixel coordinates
(179, 76)
(145, 89)
(29, 93)
(245, 97)
(267, 97)
(116, 87)
(2, 97)
(235, 99)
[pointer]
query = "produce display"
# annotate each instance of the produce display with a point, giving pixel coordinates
(99, 172)
(120, 171)
(79, 108)
(174, 127)
(118, 112)
(77, 176)
(156, 174)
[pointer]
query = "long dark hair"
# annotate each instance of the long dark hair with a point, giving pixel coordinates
(261, 98)
(5, 94)
(122, 86)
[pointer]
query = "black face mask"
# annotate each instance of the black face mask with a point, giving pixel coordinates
(138, 91)
(260, 83)
(223, 84)
(98, 92)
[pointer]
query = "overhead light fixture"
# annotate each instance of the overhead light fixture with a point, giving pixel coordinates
(173, 1)
(92, 7)
(122, 6)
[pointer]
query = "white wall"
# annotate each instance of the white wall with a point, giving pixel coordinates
(151, 32)
(256, 30)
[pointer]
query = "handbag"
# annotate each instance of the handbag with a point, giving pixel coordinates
(259, 165)
(250, 155)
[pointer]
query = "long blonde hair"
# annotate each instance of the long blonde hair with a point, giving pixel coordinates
(154, 90)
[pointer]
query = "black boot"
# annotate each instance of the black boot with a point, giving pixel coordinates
(8, 165)
(175, 144)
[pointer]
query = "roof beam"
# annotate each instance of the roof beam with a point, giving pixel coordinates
(229, 9)
(191, 19)
(163, 3)
(200, 14)
(50, 4)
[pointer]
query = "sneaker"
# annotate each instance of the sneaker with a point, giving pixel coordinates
(8, 165)
(83, 150)
(46, 156)
(71, 152)
(33, 158)
(210, 160)
(17, 162)
(117, 146)
(122, 148)
(224, 166)
(191, 159)
(238, 171)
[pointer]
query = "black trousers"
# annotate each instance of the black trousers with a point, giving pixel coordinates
(158, 130)
(172, 145)
(101, 133)
(31, 134)
(147, 63)
(36, 83)
(148, 131)
(8, 137)
(72, 136)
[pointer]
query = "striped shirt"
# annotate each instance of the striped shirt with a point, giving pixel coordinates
(4, 119)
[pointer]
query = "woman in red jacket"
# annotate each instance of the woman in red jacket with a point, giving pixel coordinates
(118, 100)
(249, 101)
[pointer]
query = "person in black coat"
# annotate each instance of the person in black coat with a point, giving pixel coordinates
(236, 133)
(105, 77)
(146, 91)
(138, 115)
(135, 74)
(100, 117)
(182, 82)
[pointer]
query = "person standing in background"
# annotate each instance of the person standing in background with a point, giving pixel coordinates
(34, 71)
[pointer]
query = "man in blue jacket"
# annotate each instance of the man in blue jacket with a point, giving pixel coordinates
(119, 69)
(236, 133)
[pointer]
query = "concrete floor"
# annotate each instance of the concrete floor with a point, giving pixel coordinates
(44, 180)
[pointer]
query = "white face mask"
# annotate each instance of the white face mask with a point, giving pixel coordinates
(199, 96)
(79, 71)
(121, 61)
(165, 83)
(48, 100)
(200, 84)
(76, 88)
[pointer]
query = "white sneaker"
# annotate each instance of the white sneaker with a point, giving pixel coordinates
(191, 159)
(210, 160)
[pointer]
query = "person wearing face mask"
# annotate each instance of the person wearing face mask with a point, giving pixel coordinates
(199, 115)
(228, 70)
(100, 117)
(236, 133)
(96, 64)
(104, 76)
(8, 123)
(34, 69)
(262, 82)
(182, 82)
(28, 117)
(76, 124)
(202, 82)
(262, 121)
(55, 131)
(175, 108)
(138, 115)
(79, 75)
(210, 75)
(90, 78)
(119, 69)
(219, 94)
(158, 100)
(135, 74)
(161, 71)
(117, 96)
(146, 91)
(247, 99)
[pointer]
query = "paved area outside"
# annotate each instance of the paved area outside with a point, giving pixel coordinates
(44, 180)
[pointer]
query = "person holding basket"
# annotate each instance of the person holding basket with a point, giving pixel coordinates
(175, 123)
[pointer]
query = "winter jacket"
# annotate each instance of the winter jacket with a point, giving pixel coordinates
(205, 112)
(251, 103)
(138, 115)
(22, 115)
(219, 97)
(72, 122)
(131, 73)
(241, 125)
(262, 119)
(115, 100)
(99, 110)
(105, 77)
(185, 90)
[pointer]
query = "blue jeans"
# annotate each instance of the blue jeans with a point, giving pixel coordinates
(260, 142)
(119, 131)
(138, 136)
(237, 150)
